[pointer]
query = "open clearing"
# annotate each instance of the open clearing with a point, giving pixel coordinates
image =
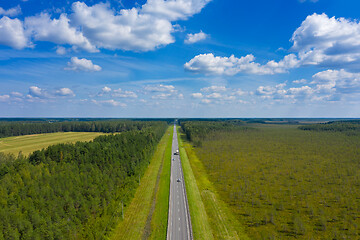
(29, 143)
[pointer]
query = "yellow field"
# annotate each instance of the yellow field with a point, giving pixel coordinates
(29, 143)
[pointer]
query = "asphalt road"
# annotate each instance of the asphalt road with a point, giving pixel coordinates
(179, 222)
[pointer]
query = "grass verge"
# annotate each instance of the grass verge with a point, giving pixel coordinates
(29, 143)
(159, 221)
(199, 219)
(209, 214)
(137, 213)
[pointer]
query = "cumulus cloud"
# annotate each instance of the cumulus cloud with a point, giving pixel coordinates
(214, 89)
(325, 41)
(300, 81)
(37, 92)
(218, 94)
(160, 88)
(319, 41)
(4, 98)
(16, 94)
(12, 33)
(337, 80)
(111, 103)
(215, 65)
(65, 92)
(173, 9)
(59, 31)
(136, 29)
(11, 12)
(193, 38)
(197, 95)
(82, 64)
(123, 94)
(61, 50)
(118, 93)
(162, 91)
(141, 28)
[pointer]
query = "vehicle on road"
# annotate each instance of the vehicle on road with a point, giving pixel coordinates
(179, 180)
(176, 152)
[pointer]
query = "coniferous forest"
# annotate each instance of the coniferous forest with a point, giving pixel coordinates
(74, 191)
(18, 128)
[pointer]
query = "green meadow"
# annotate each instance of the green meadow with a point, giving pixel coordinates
(29, 143)
(283, 182)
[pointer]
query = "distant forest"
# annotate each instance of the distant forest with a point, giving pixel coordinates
(352, 126)
(18, 128)
(74, 191)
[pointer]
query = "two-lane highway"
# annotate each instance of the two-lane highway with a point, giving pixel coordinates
(179, 222)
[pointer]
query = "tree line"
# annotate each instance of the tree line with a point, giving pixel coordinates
(351, 126)
(196, 131)
(8, 129)
(74, 191)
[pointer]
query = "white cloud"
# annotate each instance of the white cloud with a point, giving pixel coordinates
(37, 92)
(118, 93)
(61, 50)
(160, 88)
(325, 41)
(136, 29)
(12, 33)
(320, 41)
(193, 38)
(214, 89)
(276, 92)
(218, 95)
(59, 31)
(106, 89)
(4, 98)
(240, 92)
(82, 64)
(65, 92)
(11, 12)
(300, 81)
(197, 95)
(214, 95)
(89, 28)
(163, 92)
(111, 103)
(206, 101)
(124, 94)
(16, 94)
(173, 10)
(210, 64)
(337, 80)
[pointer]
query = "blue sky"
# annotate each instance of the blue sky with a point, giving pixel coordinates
(180, 58)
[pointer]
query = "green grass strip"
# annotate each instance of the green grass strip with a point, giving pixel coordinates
(199, 219)
(137, 213)
(207, 210)
(160, 217)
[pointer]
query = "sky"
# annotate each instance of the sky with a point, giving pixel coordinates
(180, 58)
